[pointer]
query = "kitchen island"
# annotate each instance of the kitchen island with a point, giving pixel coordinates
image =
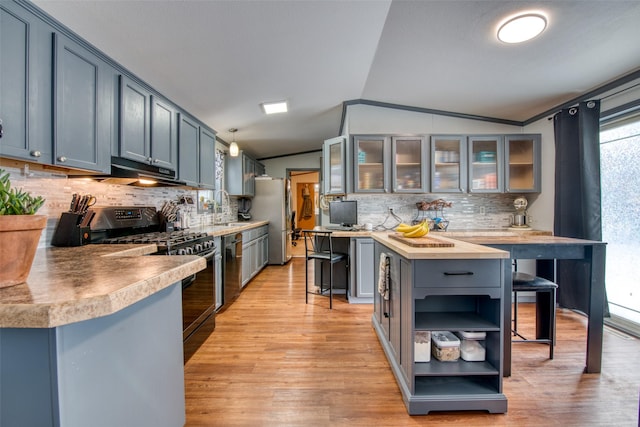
(95, 338)
(459, 287)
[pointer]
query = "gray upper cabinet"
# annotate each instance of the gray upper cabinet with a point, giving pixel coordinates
(26, 85)
(522, 163)
(188, 167)
(196, 153)
(240, 175)
(409, 164)
(448, 164)
(82, 99)
(485, 160)
(148, 126)
(371, 165)
(335, 165)
(207, 159)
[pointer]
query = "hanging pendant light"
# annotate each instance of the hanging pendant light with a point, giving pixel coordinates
(233, 148)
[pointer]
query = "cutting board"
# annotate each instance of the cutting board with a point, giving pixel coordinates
(422, 242)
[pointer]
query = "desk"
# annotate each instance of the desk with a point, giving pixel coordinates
(552, 248)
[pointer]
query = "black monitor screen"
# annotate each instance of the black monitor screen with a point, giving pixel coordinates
(344, 213)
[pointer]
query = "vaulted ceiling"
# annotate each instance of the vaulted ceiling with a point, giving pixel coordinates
(221, 59)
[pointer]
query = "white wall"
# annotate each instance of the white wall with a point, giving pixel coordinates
(277, 167)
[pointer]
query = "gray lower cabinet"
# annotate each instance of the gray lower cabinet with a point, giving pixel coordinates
(26, 85)
(124, 369)
(361, 269)
(82, 107)
(255, 252)
(443, 295)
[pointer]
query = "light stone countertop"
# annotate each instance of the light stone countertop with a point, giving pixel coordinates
(459, 250)
(68, 285)
(231, 228)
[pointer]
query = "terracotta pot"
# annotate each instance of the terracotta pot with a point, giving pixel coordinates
(19, 236)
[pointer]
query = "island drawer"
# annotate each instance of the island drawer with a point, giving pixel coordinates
(467, 273)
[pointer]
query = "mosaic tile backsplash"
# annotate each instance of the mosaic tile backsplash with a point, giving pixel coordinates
(468, 211)
(58, 192)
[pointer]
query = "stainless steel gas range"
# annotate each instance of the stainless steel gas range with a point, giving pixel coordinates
(141, 224)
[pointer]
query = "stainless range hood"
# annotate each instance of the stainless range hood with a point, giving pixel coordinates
(129, 172)
(128, 169)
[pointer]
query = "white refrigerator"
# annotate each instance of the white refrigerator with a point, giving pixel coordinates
(272, 202)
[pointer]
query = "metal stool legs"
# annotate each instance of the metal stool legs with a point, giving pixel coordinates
(545, 309)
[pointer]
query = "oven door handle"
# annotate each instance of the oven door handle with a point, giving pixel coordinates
(209, 255)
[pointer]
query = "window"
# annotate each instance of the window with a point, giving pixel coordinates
(620, 180)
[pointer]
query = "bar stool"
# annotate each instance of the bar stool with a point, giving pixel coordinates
(318, 246)
(545, 308)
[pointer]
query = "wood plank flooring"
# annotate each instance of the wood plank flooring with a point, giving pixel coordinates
(275, 361)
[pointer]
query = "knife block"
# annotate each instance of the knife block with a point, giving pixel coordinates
(68, 231)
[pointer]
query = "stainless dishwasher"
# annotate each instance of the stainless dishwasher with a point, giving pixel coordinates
(232, 273)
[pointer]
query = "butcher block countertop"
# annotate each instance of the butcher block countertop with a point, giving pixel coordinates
(68, 285)
(459, 250)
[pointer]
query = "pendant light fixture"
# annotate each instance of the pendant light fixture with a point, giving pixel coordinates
(233, 148)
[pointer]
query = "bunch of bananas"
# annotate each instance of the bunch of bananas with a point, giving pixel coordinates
(418, 230)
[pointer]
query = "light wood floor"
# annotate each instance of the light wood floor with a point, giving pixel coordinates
(275, 361)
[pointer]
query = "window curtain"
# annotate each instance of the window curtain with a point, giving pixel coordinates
(577, 195)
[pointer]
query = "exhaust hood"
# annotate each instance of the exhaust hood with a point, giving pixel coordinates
(129, 172)
(142, 174)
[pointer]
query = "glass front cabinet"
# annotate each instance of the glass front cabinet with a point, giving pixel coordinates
(485, 164)
(371, 162)
(522, 163)
(409, 155)
(448, 166)
(335, 166)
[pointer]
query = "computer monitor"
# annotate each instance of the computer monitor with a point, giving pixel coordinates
(344, 213)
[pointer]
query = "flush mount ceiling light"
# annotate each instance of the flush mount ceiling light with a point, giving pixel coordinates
(233, 148)
(275, 107)
(522, 27)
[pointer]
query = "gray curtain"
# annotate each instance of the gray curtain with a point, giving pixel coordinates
(577, 194)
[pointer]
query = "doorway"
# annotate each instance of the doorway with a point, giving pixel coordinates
(305, 193)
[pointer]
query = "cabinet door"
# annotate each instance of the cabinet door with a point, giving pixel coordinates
(135, 116)
(370, 170)
(448, 167)
(188, 151)
(207, 159)
(248, 176)
(83, 105)
(409, 164)
(364, 268)
(334, 166)
(164, 144)
(522, 163)
(485, 164)
(25, 85)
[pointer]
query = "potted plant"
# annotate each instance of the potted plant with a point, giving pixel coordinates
(20, 231)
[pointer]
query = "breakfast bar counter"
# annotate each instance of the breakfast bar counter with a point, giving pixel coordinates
(95, 338)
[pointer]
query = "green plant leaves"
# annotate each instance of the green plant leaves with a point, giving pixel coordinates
(14, 201)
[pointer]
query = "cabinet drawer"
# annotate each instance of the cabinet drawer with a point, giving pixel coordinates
(479, 273)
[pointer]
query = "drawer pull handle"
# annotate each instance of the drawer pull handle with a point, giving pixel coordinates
(458, 273)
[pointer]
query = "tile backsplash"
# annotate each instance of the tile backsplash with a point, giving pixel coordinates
(469, 211)
(58, 190)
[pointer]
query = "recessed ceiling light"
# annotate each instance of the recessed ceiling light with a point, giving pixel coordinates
(522, 27)
(275, 107)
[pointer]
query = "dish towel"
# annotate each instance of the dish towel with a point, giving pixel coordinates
(383, 276)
